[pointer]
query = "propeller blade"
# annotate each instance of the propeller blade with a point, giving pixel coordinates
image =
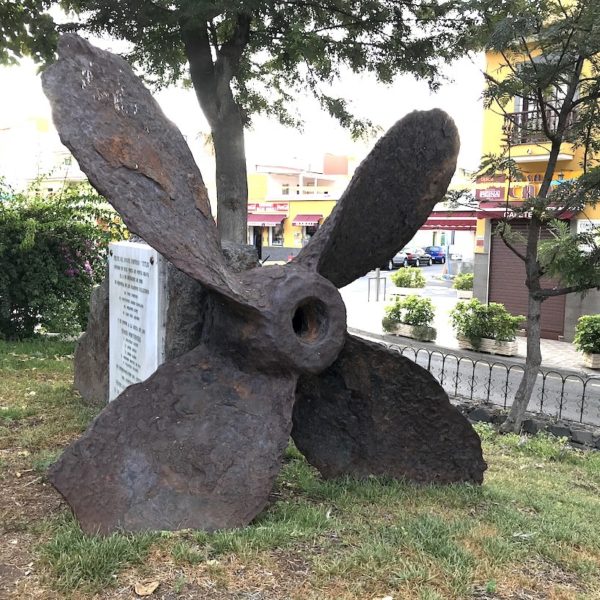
(135, 157)
(197, 445)
(373, 412)
(392, 193)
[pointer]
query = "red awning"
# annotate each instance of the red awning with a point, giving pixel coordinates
(306, 220)
(451, 225)
(451, 221)
(265, 219)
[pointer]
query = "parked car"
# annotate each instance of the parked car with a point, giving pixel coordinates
(417, 257)
(437, 253)
(398, 260)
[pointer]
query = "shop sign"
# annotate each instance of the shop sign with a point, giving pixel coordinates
(522, 191)
(268, 207)
(491, 193)
(491, 178)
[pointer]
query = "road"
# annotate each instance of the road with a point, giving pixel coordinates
(482, 377)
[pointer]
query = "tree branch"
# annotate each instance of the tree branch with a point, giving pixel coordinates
(511, 247)
(544, 293)
(202, 69)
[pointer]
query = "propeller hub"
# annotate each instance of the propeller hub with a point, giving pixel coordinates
(303, 318)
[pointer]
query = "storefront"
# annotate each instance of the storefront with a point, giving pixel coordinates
(281, 229)
(308, 225)
(265, 224)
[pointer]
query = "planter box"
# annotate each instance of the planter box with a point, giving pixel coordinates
(464, 294)
(591, 360)
(490, 346)
(403, 291)
(421, 333)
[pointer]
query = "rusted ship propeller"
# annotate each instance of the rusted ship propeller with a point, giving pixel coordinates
(200, 443)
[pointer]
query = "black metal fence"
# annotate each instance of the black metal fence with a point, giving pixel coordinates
(563, 396)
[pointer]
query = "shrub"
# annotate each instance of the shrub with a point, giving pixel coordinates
(473, 320)
(463, 281)
(412, 310)
(411, 277)
(52, 252)
(587, 334)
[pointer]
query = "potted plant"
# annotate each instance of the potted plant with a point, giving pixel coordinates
(485, 327)
(463, 284)
(410, 317)
(408, 281)
(587, 340)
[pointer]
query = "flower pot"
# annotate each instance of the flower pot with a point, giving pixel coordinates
(464, 294)
(591, 360)
(422, 333)
(404, 291)
(490, 346)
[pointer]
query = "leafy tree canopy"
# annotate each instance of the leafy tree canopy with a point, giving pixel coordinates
(26, 29)
(270, 51)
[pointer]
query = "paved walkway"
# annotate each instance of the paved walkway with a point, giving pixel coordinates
(366, 316)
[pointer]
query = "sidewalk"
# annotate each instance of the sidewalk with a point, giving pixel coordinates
(365, 317)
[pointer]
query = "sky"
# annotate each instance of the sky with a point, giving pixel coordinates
(267, 142)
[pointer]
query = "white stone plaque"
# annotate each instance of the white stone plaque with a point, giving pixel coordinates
(136, 314)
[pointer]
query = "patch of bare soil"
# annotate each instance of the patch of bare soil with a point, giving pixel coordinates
(25, 500)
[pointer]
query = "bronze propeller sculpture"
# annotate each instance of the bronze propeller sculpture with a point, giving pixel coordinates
(200, 442)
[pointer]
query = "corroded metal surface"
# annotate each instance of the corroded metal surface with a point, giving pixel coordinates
(374, 412)
(197, 445)
(135, 157)
(389, 198)
(200, 442)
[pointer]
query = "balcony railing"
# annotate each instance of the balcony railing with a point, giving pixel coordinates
(528, 128)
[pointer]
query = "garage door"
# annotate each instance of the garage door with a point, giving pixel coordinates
(507, 284)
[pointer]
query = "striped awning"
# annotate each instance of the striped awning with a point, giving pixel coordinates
(265, 219)
(451, 221)
(306, 220)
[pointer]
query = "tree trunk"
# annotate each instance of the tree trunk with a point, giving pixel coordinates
(532, 367)
(212, 84)
(232, 179)
(534, 330)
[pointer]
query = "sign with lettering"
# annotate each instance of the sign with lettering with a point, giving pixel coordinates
(262, 207)
(136, 315)
(491, 193)
(500, 178)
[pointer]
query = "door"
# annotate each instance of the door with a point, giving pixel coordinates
(258, 241)
(507, 283)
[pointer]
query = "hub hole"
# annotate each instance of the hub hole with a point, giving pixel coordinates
(310, 320)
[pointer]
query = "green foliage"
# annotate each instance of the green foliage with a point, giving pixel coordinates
(269, 54)
(572, 258)
(410, 277)
(14, 413)
(26, 30)
(412, 310)
(89, 561)
(474, 321)
(550, 60)
(587, 334)
(52, 252)
(463, 281)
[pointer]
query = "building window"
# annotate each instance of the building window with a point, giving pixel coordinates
(307, 232)
(277, 239)
(285, 189)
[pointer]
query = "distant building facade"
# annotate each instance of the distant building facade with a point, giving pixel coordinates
(499, 274)
(287, 205)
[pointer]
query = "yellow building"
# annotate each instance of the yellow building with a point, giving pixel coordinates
(286, 205)
(499, 274)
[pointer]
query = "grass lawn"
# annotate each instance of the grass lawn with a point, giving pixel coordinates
(532, 531)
